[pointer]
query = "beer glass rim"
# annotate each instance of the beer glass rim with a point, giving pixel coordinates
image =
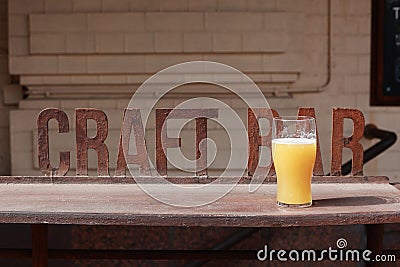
(293, 118)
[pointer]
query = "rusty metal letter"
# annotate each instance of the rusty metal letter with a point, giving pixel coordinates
(256, 140)
(132, 120)
(201, 148)
(83, 143)
(43, 141)
(352, 142)
(201, 116)
(161, 158)
(318, 168)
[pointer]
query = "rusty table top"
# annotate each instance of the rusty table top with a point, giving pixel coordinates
(108, 201)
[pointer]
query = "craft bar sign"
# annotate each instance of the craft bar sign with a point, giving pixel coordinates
(133, 127)
(253, 163)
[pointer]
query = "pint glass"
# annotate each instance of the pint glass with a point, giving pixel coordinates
(294, 151)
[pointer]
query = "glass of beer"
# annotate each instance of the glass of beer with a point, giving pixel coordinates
(294, 148)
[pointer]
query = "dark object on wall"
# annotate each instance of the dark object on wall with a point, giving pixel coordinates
(385, 53)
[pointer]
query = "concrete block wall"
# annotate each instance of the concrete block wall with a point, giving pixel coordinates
(74, 53)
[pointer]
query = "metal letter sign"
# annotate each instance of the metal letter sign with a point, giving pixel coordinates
(133, 126)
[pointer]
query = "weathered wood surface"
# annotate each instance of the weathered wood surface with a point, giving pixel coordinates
(349, 200)
(176, 180)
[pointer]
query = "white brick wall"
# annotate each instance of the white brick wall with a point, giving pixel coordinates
(80, 43)
(142, 42)
(110, 44)
(26, 6)
(174, 5)
(120, 22)
(257, 5)
(101, 64)
(72, 64)
(205, 5)
(262, 42)
(168, 42)
(56, 23)
(86, 5)
(58, 6)
(145, 5)
(34, 65)
(251, 21)
(227, 42)
(157, 29)
(48, 43)
(197, 42)
(175, 21)
(18, 25)
(116, 6)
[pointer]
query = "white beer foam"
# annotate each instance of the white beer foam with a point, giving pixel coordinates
(294, 141)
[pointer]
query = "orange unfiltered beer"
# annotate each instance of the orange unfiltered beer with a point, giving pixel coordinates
(294, 162)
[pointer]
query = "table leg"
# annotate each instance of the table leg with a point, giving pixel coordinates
(374, 240)
(39, 245)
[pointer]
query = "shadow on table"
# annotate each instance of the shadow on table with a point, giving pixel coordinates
(352, 201)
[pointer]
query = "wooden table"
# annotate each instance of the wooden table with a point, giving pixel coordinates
(40, 201)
